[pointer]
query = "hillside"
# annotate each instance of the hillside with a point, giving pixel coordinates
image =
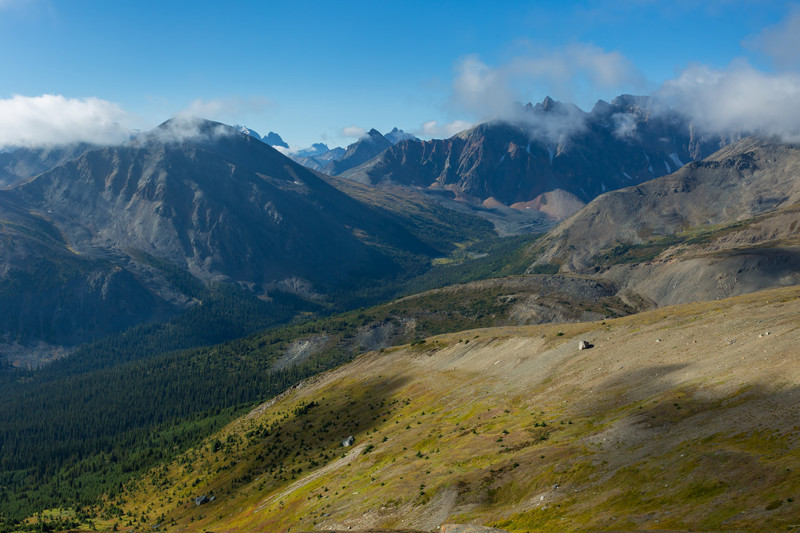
(726, 225)
(683, 418)
(739, 182)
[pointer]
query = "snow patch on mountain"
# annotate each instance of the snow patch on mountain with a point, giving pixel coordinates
(676, 159)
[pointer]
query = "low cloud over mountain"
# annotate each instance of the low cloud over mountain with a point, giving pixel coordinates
(51, 119)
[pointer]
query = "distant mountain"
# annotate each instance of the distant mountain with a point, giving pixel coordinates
(315, 150)
(337, 160)
(273, 139)
(367, 147)
(551, 146)
(317, 156)
(396, 135)
(219, 205)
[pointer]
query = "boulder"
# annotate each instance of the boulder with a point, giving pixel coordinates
(467, 528)
(202, 500)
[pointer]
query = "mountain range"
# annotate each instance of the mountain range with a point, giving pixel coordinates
(218, 319)
(337, 160)
(718, 227)
(271, 138)
(551, 154)
(207, 200)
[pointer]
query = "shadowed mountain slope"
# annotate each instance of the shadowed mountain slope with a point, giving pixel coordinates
(24, 163)
(222, 206)
(50, 293)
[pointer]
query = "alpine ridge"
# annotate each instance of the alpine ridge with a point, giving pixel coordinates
(543, 148)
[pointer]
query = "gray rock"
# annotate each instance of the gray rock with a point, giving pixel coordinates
(467, 528)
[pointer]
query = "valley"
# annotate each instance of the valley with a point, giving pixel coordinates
(155, 294)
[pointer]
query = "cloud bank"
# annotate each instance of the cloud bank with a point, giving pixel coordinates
(490, 92)
(434, 130)
(781, 43)
(49, 120)
(739, 99)
(186, 127)
(494, 92)
(355, 132)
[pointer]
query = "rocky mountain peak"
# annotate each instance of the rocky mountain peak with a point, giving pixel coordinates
(273, 139)
(397, 135)
(373, 135)
(247, 131)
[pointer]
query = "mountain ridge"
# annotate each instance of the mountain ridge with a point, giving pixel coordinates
(546, 147)
(224, 207)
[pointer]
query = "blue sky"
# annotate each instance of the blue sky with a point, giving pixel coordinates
(315, 71)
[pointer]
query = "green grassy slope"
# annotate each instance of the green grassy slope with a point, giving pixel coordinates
(683, 418)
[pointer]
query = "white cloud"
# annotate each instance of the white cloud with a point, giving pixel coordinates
(781, 42)
(204, 109)
(47, 120)
(433, 130)
(738, 99)
(227, 110)
(490, 92)
(624, 124)
(185, 127)
(482, 91)
(487, 92)
(353, 132)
